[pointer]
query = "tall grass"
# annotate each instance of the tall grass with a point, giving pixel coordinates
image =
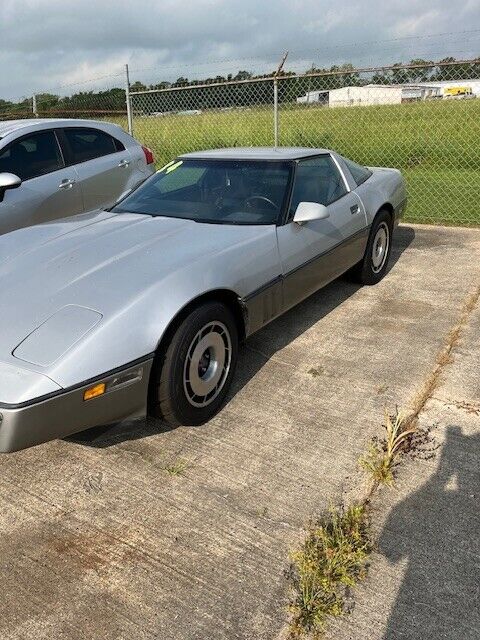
(434, 143)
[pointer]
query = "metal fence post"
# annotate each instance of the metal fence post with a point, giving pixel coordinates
(34, 106)
(128, 101)
(275, 112)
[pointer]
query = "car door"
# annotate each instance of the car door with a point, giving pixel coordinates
(316, 252)
(103, 164)
(49, 189)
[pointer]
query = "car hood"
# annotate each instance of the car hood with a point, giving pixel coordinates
(99, 261)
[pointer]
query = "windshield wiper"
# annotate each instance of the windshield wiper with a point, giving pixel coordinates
(140, 213)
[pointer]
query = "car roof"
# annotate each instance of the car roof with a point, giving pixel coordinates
(256, 153)
(10, 126)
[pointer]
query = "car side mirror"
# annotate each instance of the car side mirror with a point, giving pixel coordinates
(307, 211)
(8, 181)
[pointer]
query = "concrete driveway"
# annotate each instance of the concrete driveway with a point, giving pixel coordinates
(142, 532)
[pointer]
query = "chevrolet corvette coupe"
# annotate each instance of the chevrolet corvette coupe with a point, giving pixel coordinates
(140, 308)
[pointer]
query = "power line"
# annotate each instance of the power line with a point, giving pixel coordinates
(390, 40)
(295, 52)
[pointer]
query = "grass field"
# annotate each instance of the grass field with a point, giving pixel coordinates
(435, 144)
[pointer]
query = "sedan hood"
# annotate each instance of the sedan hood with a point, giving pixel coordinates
(100, 262)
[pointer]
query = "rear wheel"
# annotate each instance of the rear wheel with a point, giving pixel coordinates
(191, 379)
(374, 264)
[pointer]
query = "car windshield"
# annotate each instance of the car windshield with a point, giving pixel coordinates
(214, 191)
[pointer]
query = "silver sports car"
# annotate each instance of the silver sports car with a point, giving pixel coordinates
(110, 314)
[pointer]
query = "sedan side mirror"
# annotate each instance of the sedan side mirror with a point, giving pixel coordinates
(307, 211)
(8, 181)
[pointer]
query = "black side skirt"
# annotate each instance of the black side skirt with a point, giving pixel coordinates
(286, 290)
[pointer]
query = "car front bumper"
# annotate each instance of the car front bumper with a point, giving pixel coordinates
(65, 412)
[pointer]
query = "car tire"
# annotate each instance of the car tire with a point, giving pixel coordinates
(374, 264)
(191, 378)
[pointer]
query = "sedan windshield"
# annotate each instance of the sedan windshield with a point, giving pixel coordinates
(214, 191)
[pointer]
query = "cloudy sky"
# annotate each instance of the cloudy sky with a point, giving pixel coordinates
(50, 45)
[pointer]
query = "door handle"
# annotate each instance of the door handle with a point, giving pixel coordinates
(67, 183)
(124, 163)
(354, 209)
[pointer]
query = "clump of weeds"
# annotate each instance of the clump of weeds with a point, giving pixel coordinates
(334, 555)
(176, 468)
(401, 436)
(383, 453)
(332, 558)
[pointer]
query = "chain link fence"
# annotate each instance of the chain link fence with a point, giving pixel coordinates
(98, 100)
(423, 119)
(204, 116)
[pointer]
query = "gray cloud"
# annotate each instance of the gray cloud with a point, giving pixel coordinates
(45, 44)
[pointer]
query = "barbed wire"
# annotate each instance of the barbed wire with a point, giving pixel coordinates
(275, 55)
(312, 74)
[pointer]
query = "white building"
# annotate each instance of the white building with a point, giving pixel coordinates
(371, 94)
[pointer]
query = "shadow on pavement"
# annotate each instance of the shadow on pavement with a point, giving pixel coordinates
(273, 338)
(437, 529)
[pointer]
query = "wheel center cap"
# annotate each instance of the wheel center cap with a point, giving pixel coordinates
(204, 362)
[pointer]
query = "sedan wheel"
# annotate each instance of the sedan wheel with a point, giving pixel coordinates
(191, 376)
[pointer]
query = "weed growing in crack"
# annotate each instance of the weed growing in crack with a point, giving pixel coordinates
(177, 468)
(402, 436)
(383, 454)
(329, 563)
(334, 554)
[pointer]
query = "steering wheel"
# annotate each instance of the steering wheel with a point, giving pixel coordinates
(263, 199)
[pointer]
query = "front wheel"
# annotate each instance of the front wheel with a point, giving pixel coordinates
(191, 379)
(374, 264)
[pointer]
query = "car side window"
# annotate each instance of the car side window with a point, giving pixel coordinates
(359, 173)
(32, 156)
(87, 144)
(317, 180)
